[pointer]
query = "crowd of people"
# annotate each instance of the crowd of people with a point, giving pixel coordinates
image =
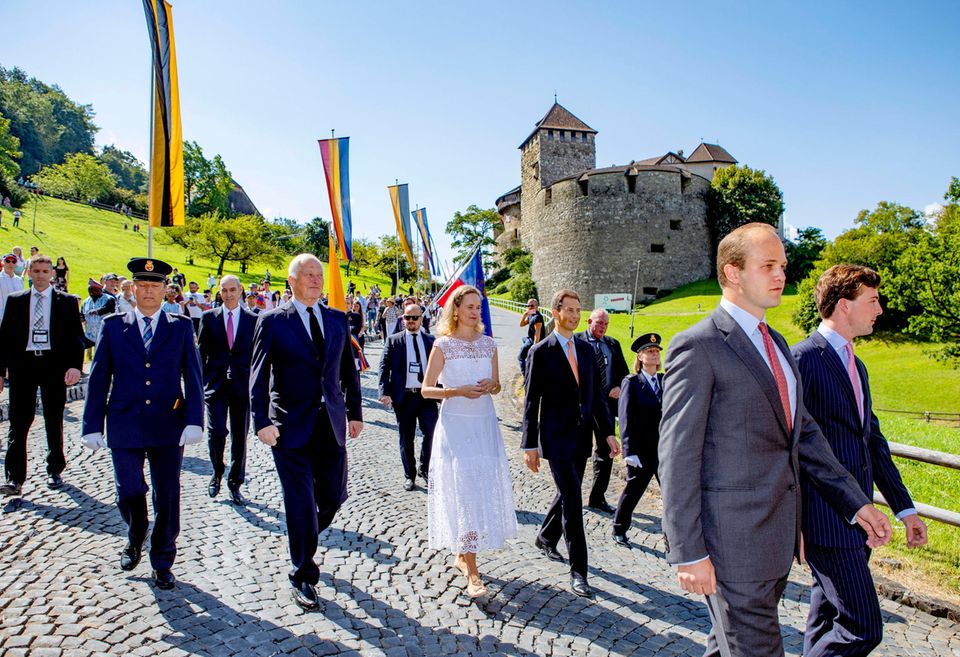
(763, 453)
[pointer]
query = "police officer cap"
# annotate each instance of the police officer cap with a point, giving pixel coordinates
(149, 269)
(646, 340)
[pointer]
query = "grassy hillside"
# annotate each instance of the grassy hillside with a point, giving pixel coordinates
(902, 377)
(94, 242)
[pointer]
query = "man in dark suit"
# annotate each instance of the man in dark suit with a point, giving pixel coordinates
(564, 404)
(734, 440)
(302, 365)
(639, 410)
(402, 365)
(135, 390)
(612, 367)
(844, 618)
(41, 346)
(226, 348)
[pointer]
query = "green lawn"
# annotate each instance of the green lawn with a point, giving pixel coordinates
(94, 242)
(902, 377)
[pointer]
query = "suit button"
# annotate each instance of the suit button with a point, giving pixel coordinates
(148, 365)
(148, 383)
(148, 402)
(793, 488)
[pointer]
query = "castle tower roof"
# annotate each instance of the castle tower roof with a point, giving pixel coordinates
(710, 153)
(559, 118)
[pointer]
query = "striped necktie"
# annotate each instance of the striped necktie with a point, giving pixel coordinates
(147, 334)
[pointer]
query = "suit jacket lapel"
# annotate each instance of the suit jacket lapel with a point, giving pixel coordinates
(745, 350)
(161, 333)
(839, 370)
(132, 331)
(562, 355)
(297, 326)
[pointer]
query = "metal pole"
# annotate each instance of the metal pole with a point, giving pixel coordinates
(633, 301)
(149, 240)
(36, 200)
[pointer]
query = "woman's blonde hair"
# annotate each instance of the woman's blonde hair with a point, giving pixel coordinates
(449, 318)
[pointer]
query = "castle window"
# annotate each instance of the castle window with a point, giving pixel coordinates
(656, 248)
(684, 183)
(674, 224)
(563, 135)
(584, 186)
(550, 135)
(632, 184)
(548, 196)
(650, 291)
(536, 171)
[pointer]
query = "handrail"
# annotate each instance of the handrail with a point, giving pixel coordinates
(933, 457)
(508, 304)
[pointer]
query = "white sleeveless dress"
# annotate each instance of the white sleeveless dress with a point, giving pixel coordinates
(470, 503)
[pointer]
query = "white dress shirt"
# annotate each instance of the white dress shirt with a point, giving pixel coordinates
(46, 304)
(154, 320)
(751, 326)
(412, 379)
(305, 316)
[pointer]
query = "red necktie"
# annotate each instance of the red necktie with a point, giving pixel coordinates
(230, 330)
(854, 378)
(778, 374)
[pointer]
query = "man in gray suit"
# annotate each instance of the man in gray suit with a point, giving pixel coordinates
(734, 439)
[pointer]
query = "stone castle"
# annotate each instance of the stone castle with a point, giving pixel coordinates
(600, 230)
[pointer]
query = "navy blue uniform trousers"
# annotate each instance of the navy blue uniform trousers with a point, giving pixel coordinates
(314, 482)
(165, 463)
(844, 618)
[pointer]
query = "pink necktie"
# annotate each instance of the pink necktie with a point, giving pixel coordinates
(230, 329)
(854, 378)
(573, 361)
(778, 374)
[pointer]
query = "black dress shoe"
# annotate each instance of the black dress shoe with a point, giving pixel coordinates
(601, 506)
(236, 497)
(305, 595)
(54, 482)
(408, 484)
(621, 539)
(10, 488)
(130, 556)
(164, 579)
(214, 489)
(548, 551)
(578, 584)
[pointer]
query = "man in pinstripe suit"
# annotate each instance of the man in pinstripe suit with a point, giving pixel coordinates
(844, 614)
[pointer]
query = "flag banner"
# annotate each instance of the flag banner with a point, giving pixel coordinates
(335, 296)
(362, 363)
(420, 217)
(166, 139)
(471, 273)
(400, 199)
(336, 157)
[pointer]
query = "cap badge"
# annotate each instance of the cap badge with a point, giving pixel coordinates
(148, 266)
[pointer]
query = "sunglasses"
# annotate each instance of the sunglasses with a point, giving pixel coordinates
(410, 318)
(11, 261)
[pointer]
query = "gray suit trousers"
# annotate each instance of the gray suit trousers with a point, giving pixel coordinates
(745, 621)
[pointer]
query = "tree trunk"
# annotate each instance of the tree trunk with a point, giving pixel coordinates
(223, 259)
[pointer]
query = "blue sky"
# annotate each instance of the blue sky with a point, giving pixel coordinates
(845, 104)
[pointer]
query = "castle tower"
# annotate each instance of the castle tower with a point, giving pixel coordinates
(560, 145)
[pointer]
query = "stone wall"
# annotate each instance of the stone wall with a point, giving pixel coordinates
(589, 235)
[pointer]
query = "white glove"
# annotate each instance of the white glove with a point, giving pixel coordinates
(633, 460)
(93, 441)
(192, 434)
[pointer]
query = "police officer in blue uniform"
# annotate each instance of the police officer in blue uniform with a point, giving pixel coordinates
(135, 389)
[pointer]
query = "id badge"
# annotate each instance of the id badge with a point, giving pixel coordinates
(41, 336)
(414, 368)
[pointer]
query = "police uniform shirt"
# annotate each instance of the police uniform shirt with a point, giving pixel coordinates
(154, 320)
(413, 380)
(46, 303)
(651, 381)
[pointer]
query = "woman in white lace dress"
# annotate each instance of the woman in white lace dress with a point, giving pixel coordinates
(470, 501)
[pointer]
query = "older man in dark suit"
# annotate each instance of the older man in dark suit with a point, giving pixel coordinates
(563, 405)
(226, 347)
(611, 369)
(304, 389)
(844, 618)
(41, 346)
(734, 440)
(146, 386)
(402, 366)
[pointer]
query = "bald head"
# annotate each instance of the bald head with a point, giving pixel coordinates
(598, 322)
(230, 290)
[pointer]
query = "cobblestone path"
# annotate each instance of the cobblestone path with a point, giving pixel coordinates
(384, 591)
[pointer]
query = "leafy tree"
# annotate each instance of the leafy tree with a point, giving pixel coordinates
(245, 239)
(877, 241)
(196, 167)
(9, 150)
(315, 238)
(364, 255)
(389, 257)
(470, 228)
(803, 253)
(740, 195)
(80, 176)
(130, 172)
(925, 282)
(48, 124)
(522, 288)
